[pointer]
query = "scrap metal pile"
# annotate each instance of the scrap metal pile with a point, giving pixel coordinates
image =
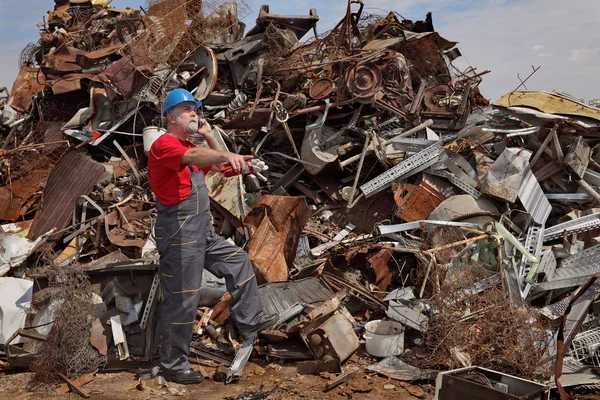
(397, 202)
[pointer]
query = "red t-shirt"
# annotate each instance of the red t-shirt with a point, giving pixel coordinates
(168, 177)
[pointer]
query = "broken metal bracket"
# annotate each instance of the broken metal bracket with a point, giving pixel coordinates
(465, 187)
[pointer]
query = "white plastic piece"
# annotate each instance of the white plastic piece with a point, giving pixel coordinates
(119, 337)
(15, 303)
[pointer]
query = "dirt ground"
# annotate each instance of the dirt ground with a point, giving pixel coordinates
(122, 385)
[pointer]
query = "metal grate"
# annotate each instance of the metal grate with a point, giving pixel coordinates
(586, 346)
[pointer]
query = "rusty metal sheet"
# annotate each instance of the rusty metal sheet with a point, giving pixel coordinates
(300, 25)
(125, 234)
(25, 87)
(86, 60)
(121, 78)
(415, 203)
(66, 85)
(378, 263)
(98, 338)
(14, 197)
(75, 174)
(275, 224)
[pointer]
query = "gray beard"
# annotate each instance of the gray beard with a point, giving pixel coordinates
(190, 127)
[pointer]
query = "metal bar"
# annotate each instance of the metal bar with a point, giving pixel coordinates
(359, 170)
(151, 295)
(578, 225)
(386, 229)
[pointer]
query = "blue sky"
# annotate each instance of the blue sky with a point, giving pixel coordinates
(505, 36)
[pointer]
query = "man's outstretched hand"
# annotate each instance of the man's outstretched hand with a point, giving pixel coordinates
(237, 163)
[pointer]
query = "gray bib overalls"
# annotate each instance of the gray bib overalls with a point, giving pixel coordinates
(187, 244)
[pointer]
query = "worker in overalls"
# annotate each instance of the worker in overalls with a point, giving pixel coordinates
(185, 239)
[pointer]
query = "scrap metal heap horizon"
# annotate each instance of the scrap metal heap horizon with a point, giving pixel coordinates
(394, 192)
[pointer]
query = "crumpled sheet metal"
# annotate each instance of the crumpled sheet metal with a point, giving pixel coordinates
(397, 369)
(15, 199)
(25, 87)
(75, 174)
(275, 224)
(378, 262)
(505, 175)
(121, 78)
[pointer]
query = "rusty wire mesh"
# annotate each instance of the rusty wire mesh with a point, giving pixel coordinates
(32, 154)
(176, 28)
(487, 327)
(67, 348)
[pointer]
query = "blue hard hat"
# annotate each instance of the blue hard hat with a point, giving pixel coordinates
(178, 96)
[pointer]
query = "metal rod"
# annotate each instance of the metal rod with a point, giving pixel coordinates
(358, 171)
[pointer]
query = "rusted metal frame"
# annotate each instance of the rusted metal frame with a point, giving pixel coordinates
(563, 344)
(387, 106)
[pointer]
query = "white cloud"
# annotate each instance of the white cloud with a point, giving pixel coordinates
(538, 47)
(581, 54)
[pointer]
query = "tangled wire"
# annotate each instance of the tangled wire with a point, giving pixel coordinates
(67, 348)
(482, 327)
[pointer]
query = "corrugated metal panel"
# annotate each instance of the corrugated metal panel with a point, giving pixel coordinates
(75, 174)
(278, 297)
(533, 198)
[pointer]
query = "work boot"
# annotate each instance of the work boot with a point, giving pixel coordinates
(267, 323)
(187, 377)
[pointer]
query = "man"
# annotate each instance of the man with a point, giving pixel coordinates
(185, 239)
